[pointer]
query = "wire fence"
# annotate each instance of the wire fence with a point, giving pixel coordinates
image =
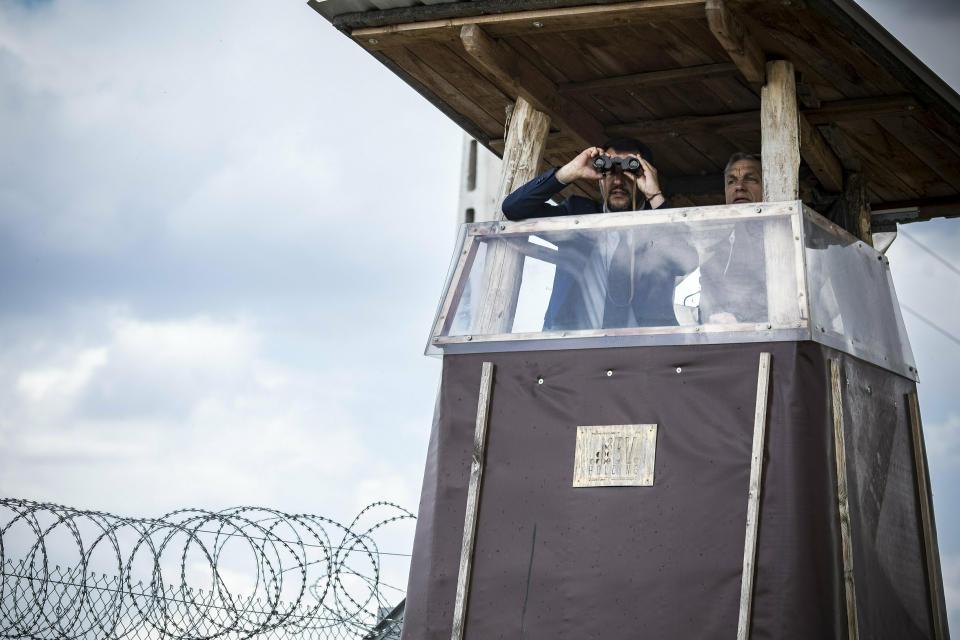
(245, 572)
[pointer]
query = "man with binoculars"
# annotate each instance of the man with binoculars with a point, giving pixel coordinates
(608, 279)
(622, 166)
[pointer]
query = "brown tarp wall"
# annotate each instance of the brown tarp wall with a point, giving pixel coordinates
(553, 561)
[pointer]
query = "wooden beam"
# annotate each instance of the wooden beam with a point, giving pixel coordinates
(857, 207)
(518, 77)
(884, 214)
(682, 125)
(837, 111)
(733, 37)
(779, 128)
(857, 109)
(652, 78)
(820, 157)
(503, 266)
(499, 25)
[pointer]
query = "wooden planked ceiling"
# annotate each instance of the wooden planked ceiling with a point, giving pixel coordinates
(682, 75)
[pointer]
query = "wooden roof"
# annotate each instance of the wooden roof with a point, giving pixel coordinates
(684, 76)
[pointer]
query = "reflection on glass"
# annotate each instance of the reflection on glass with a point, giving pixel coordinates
(652, 275)
(852, 294)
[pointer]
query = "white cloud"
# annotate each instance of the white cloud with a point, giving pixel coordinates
(943, 442)
(51, 383)
(191, 412)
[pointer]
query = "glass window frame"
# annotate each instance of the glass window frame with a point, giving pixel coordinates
(472, 235)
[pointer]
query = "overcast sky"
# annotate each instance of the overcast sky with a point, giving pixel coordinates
(223, 232)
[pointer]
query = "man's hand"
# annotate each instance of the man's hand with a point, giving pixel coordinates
(649, 184)
(580, 167)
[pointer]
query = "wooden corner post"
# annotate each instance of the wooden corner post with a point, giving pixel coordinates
(780, 133)
(780, 149)
(503, 266)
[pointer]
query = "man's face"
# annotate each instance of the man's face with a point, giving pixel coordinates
(618, 185)
(743, 182)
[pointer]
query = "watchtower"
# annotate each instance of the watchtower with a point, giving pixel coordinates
(752, 465)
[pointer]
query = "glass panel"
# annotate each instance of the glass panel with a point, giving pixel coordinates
(705, 272)
(852, 297)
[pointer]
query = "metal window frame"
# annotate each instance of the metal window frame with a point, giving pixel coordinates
(472, 236)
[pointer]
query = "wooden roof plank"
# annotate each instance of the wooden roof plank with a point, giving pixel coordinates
(452, 62)
(683, 125)
(550, 65)
(452, 111)
(445, 90)
(693, 45)
(889, 150)
(857, 25)
(606, 55)
(661, 101)
(664, 77)
(878, 158)
(849, 160)
(927, 147)
(521, 78)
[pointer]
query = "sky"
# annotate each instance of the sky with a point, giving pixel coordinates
(223, 233)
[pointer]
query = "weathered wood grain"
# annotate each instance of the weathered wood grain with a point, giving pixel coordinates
(603, 16)
(930, 546)
(518, 77)
(665, 77)
(843, 506)
(779, 126)
(739, 45)
(503, 265)
(473, 502)
(753, 497)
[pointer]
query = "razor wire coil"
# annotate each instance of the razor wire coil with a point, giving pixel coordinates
(191, 574)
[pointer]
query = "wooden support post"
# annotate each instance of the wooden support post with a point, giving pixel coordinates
(523, 150)
(780, 148)
(503, 266)
(780, 133)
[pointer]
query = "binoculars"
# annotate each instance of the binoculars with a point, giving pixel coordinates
(607, 163)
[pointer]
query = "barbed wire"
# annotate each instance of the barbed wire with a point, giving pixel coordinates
(191, 573)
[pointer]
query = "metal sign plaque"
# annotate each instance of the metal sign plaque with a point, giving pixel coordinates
(615, 455)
